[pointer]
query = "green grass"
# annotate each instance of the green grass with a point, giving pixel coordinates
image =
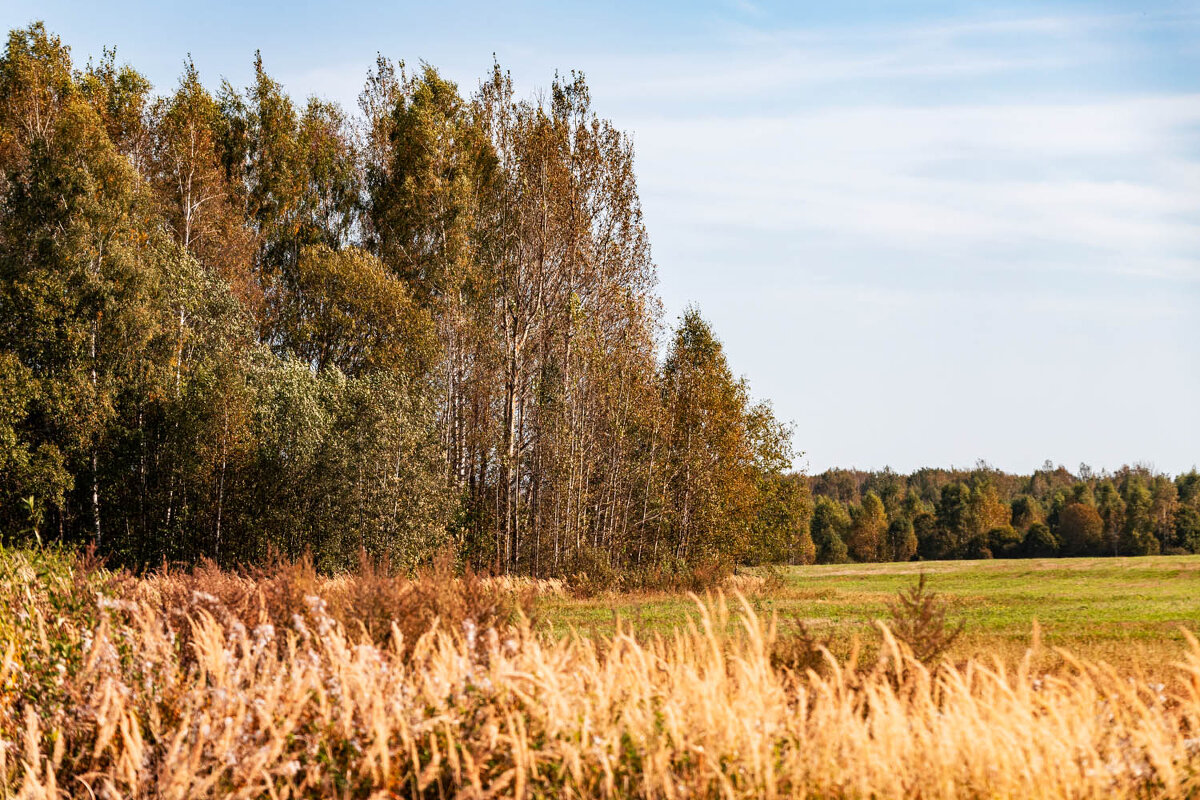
(1111, 608)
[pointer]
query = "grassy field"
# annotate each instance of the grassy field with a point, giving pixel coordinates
(289, 684)
(1116, 609)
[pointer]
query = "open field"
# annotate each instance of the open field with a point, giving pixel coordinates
(1121, 610)
(288, 684)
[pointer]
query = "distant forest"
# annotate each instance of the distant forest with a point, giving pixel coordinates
(235, 324)
(986, 513)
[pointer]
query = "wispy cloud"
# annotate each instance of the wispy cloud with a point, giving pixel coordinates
(1115, 180)
(1083, 177)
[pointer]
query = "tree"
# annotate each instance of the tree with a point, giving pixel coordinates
(425, 185)
(829, 522)
(710, 484)
(120, 96)
(806, 550)
(889, 487)
(1026, 510)
(933, 541)
(954, 517)
(1039, 542)
(230, 323)
(1082, 493)
(986, 512)
(343, 464)
(1164, 504)
(74, 288)
(1188, 486)
(902, 540)
(32, 478)
(1112, 512)
(197, 200)
(868, 525)
(1004, 542)
(1081, 530)
(1187, 529)
(781, 528)
(912, 505)
(1137, 535)
(342, 309)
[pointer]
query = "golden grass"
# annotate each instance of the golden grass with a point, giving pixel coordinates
(312, 709)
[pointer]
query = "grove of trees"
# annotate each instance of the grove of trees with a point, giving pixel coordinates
(234, 323)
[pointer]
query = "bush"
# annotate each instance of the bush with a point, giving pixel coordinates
(591, 572)
(674, 577)
(919, 620)
(53, 600)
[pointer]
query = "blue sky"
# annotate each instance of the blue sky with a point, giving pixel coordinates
(929, 232)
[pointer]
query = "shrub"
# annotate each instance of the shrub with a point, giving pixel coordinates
(591, 572)
(52, 603)
(919, 620)
(667, 576)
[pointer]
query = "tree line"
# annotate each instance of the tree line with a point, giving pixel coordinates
(986, 513)
(234, 323)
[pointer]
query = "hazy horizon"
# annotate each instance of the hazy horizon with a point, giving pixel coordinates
(929, 234)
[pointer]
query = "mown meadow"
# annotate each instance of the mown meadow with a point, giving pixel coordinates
(1122, 610)
(282, 682)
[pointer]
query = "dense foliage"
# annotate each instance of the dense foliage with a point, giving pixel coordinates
(231, 323)
(985, 513)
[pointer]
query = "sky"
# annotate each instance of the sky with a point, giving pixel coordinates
(929, 233)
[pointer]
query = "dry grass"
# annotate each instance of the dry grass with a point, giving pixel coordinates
(179, 693)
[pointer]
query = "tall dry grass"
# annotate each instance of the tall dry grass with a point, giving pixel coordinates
(177, 694)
